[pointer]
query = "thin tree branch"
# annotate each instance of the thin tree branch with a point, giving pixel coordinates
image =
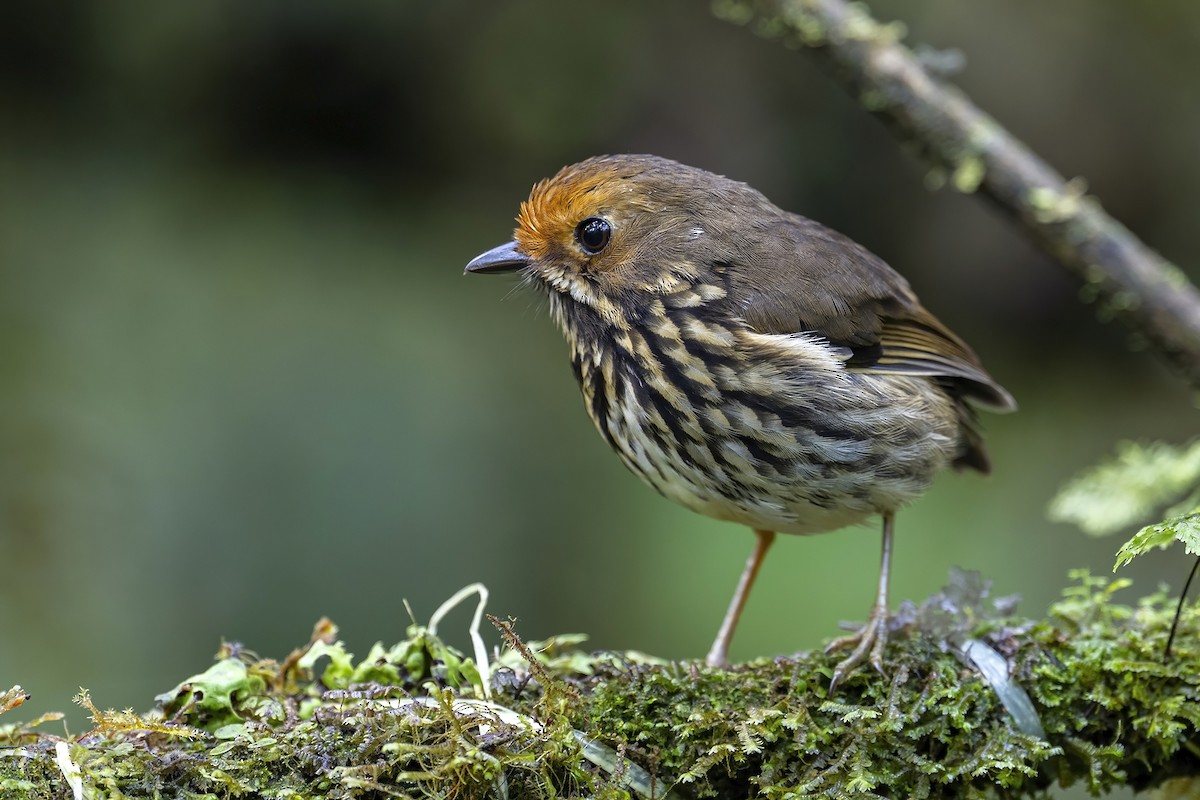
(1130, 281)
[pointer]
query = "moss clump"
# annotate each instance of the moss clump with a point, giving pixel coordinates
(417, 719)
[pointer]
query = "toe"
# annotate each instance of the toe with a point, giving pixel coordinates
(842, 642)
(878, 647)
(869, 644)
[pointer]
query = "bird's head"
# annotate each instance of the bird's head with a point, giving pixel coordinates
(612, 232)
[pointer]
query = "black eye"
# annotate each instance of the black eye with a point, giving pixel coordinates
(593, 234)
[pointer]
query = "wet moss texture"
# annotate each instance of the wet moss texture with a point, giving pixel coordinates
(976, 702)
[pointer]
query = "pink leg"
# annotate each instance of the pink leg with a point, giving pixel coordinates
(718, 656)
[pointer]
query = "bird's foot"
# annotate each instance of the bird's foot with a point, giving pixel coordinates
(869, 641)
(718, 656)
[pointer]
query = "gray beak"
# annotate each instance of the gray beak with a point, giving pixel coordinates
(504, 258)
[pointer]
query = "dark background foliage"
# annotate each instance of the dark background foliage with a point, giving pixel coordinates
(245, 384)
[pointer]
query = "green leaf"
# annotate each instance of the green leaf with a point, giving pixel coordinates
(1128, 488)
(1184, 529)
(216, 695)
(341, 663)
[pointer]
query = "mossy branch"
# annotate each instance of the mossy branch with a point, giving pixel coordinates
(413, 720)
(1132, 282)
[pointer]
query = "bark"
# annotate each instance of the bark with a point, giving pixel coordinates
(1130, 281)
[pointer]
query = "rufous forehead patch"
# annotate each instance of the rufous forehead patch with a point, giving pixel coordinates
(557, 205)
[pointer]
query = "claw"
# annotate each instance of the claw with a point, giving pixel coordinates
(871, 638)
(868, 642)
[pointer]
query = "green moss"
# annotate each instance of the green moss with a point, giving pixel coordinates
(413, 720)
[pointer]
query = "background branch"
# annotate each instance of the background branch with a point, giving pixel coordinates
(1130, 281)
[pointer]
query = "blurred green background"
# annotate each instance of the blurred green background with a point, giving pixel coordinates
(245, 383)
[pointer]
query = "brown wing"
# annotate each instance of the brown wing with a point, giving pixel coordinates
(921, 345)
(810, 278)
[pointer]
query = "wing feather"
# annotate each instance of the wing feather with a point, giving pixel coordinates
(801, 276)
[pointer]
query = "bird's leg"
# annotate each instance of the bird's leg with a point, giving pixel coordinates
(872, 638)
(718, 656)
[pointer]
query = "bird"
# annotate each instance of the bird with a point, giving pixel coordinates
(747, 362)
